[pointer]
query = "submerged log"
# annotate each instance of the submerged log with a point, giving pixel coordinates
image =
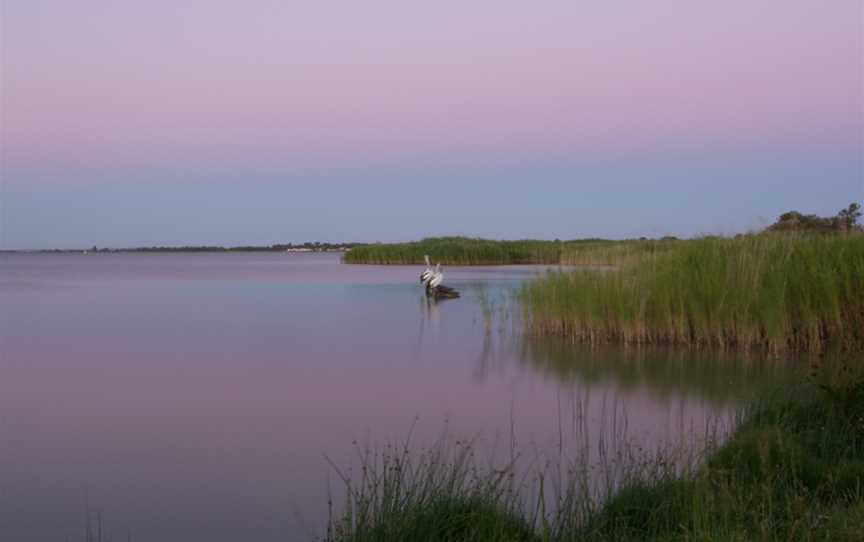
(442, 292)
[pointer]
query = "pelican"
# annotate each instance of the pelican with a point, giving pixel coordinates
(427, 273)
(436, 278)
(432, 279)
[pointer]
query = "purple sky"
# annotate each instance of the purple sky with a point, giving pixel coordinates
(164, 122)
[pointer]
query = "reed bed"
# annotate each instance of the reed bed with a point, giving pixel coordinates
(613, 253)
(475, 251)
(792, 470)
(458, 251)
(771, 292)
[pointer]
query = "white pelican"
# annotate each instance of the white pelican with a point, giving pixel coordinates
(437, 277)
(432, 279)
(427, 273)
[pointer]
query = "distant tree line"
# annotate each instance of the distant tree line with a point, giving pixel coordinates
(845, 221)
(281, 247)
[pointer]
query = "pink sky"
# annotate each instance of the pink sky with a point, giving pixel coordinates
(114, 87)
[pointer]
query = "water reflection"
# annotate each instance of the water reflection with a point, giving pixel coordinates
(194, 396)
(429, 328)
(722, 378)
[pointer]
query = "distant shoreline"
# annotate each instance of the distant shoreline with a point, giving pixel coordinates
(304, 247)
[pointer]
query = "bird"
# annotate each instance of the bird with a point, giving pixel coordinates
(432, 279)
(427, 273)
(437, 277)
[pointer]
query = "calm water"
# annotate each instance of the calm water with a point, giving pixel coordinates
(194, 396)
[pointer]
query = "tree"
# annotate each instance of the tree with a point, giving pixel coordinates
(795, 221)
(845, 220)
(848, 217)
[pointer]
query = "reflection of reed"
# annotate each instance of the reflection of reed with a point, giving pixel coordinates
(494, 310)
(496, 316)
(719, 377)
(430, 317)
(714, 376)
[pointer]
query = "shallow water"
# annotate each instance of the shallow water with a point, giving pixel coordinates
(194, 396)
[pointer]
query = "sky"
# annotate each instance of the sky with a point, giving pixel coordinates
(223, 122)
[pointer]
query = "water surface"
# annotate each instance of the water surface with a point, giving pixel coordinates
(194, 396)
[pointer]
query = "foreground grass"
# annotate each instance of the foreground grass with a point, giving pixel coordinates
(440, 494)
(793, 470)
(773, 292)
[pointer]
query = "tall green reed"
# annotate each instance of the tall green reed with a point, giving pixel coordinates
(773, 292)
(458, 251)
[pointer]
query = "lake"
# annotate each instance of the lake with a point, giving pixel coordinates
(195, 396)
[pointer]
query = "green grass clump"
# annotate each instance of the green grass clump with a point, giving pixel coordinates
(793, 470)
(774, 292)
(458, 251)
(448, 518)
(439, 495)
